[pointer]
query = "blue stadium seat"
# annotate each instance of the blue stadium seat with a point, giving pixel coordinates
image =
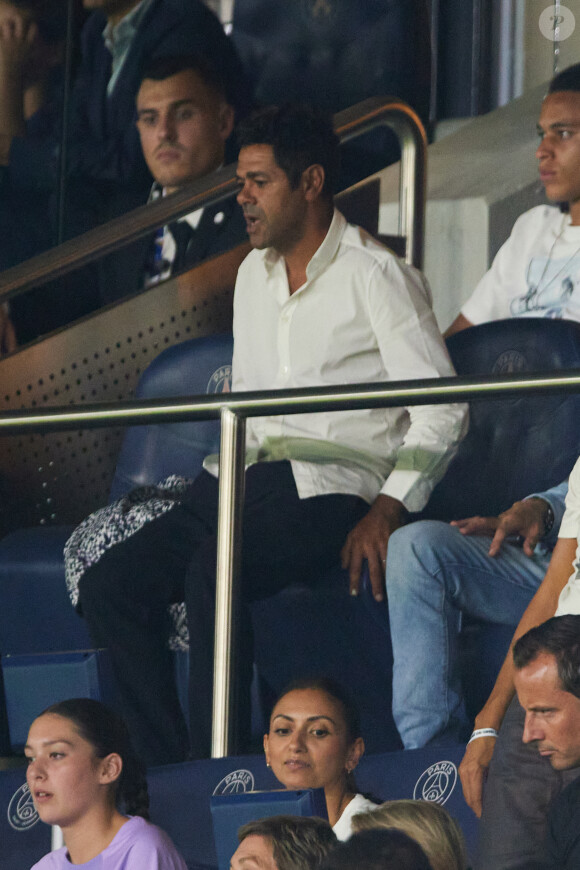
(180, 793)
(31, 560)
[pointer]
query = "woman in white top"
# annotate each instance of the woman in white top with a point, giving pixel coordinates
(314, 741)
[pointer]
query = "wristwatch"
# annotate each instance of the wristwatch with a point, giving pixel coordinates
(548, 515)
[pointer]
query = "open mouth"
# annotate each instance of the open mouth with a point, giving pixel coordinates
(251, 222)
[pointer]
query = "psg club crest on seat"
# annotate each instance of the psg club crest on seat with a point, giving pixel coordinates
(436, 784)
(21, 810)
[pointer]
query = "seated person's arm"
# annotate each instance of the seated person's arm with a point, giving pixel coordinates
(528, 519)
(411, 347)
(542, 606)
(460, 323)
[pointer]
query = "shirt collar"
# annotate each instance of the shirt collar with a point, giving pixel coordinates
(125, 29)
(193, 217)
(323, 256)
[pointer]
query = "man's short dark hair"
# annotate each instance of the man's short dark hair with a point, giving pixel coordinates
(378, 849)
(298, 843)
(567, 80)
(560, 637)
(161, 68)
(300, 136)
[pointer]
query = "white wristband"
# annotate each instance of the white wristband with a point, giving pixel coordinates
(482, 732)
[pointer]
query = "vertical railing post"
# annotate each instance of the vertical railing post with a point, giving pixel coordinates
(229, 548)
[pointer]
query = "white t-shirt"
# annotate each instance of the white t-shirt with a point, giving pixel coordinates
(359, 804)
(536, 273)
(569, 600)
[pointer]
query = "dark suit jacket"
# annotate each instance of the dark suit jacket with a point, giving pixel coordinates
(123, 272)
(105, 157)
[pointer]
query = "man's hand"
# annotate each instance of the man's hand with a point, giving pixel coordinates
(525, 519)
(368, 540)
(473, 770)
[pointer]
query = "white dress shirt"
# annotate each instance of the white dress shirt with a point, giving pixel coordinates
(361, 316)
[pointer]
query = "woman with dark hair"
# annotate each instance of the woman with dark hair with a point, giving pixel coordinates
(84, 776)
(314, 741)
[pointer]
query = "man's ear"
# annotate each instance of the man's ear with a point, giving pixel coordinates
(110, 768)
(313, 182)
(226, 120)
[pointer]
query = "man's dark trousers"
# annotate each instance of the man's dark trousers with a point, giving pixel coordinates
(124, 597)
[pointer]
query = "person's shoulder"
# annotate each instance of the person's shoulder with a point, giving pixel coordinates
(358, 240)
(567, 804)
(194, 11)
(53, 861)
(362, 803)
(253, 262)
(142, 838)
(93, 27)
(539, 218)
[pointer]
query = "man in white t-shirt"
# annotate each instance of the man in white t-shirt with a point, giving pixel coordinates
(536, 273)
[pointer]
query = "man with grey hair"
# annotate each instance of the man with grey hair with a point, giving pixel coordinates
(283, 843)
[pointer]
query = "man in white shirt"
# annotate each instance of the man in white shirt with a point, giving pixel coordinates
(317, 303)
(437, 573)
(519, 786)
(536, 273)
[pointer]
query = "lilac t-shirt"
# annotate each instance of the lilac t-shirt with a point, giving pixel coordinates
(138, 845)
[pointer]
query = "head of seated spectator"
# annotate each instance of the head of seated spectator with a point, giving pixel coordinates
(428, 823)
(283, 843)
(84, 776)
(314, 741)
(184, 119)
(379, 849)
(547, 681)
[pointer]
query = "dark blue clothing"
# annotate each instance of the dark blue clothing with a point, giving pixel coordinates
(103, 141)
(564, 829)
(123, 272)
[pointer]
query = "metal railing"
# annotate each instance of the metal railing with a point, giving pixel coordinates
(233, 409)
(351, 123)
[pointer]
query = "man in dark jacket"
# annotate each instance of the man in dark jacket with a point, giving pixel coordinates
(107, 172)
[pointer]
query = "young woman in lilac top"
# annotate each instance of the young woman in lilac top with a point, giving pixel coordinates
(81, 771)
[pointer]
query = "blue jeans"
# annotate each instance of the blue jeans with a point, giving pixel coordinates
(434, 576)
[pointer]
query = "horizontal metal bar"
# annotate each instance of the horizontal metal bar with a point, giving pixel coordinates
(434, 391)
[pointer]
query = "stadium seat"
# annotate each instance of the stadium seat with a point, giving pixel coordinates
(45, 647)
